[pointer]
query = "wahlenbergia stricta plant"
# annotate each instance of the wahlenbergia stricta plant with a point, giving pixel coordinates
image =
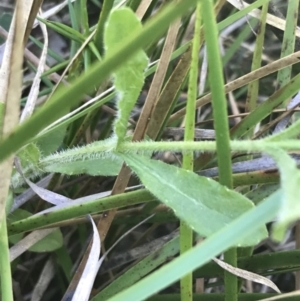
(221, 215)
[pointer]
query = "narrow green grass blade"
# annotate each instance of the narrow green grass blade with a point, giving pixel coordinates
(202, 253)
(64, 30)
(105, 10)
(288, 43)
(186, 233)
(251, 100)
(219, 104)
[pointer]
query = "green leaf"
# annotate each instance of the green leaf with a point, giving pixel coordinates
(242, 227)
(290, 182)
(129, 78)
(49, 143)
(205, 205)
(261, 192)
(104, 166)
(17, 215)
(29, 155)
(50, 243)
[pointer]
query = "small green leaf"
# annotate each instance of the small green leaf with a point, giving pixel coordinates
(129, 78)
(50, 243)
(49, 143)
(17, 215)
(29, 155)
(258, 194)
(205, 205)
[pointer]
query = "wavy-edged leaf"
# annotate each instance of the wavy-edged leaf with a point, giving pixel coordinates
(205, 205)
(129, 78)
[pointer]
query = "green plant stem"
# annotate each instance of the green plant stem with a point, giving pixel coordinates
(149, 146)
(219, 104)
(251, 101)
(98, 38)
(186, 233)
(84, 17)
(76, 209)
(6, 279)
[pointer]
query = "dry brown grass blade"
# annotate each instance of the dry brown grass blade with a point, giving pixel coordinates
(246, 274)
(45, 277)
(144, 5)
(274, 122)
(28, 241)
(10, 87)
(246, 79)
(168, 94)
(32, 9)
(35, 88)
(157, 82)
(271, 19)
(73, 284)
(282, 296)
(33, 59)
